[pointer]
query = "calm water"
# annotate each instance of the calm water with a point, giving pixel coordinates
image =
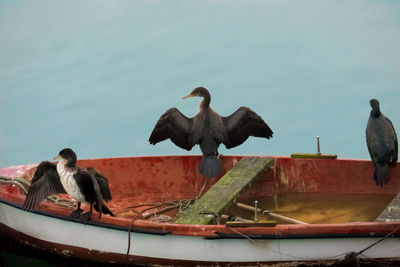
(96, 77)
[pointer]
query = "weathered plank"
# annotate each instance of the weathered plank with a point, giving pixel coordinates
(391, 212)
(313, 156)
(226, 190)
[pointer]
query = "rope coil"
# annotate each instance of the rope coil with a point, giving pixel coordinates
(23, 185)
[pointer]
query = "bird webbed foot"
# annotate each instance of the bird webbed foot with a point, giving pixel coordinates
(75, 214)
(85, 217)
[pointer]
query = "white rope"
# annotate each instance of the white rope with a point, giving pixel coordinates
(285, 254)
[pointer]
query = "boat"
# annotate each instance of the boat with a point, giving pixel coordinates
(148, 192)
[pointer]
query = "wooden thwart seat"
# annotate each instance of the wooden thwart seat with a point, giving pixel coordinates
(226, 190)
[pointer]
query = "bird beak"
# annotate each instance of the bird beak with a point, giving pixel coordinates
(189, 95)
(57, 157)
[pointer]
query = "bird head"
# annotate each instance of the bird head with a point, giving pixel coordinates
(199, 91)
(375, 107)
(67, 154)
(374, 104)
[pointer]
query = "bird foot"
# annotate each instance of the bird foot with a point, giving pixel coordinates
(75, 214)
(85, 217)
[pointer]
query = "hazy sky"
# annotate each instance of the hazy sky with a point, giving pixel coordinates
(96, 75)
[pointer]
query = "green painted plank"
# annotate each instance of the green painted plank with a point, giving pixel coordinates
(313, 156)
(226, 190)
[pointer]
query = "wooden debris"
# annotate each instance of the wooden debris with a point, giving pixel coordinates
(391, 212)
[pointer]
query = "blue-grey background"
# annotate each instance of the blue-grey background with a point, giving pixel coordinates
(96, 75)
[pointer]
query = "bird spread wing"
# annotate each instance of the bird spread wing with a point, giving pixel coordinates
(244, 123)
(103, 183)
(45, 182)
(175, 126)
(396, 142)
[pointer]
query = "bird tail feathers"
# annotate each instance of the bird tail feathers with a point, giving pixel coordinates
(381, 175)
(104, 209)
(210, 166)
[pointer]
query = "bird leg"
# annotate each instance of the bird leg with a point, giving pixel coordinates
(76, 213)
(85, 217)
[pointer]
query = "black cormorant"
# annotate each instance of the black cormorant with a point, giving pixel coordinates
(82, 185)
(209, 130)
(382, 142)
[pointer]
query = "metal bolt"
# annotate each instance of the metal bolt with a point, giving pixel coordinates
(255, 211)
(318, 147)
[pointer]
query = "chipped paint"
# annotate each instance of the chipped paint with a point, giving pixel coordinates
(29, 244)
(67, 252)
(283, 178)
(303, 185)
(234, 161)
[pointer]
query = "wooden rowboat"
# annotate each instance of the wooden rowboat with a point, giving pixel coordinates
(135, 236)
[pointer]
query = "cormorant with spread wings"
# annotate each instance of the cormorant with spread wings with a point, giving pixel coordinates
(87, 186)
(208, 129)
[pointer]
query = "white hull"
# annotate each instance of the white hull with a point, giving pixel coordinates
(177, 248)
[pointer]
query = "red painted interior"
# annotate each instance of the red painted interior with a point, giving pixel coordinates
(138, 180)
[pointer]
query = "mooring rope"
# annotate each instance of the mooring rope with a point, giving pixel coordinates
(129, 240)
(352, 256)
(243, 235)
(182, 204)
(201, 190)
(20, 182)
(380, 262)
(285, 254)
(348, 254)
(23, 185)
(377, 242)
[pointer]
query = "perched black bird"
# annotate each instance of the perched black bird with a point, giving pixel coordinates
(209, 130)
(382, 142)
(82, 185)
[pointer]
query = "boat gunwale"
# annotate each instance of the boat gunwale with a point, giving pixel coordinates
(194, 156)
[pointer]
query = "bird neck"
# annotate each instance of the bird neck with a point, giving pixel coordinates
(375, 113)
(206, 101)
(66, 164)
(64, 170)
